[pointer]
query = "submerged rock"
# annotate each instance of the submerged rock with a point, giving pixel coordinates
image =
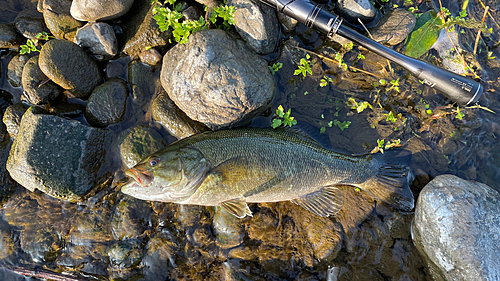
(173, 119)
(257, 24)
(217, 80)
(456, 229)
(97, 10)
(140, 142)
(394, 27)
(107, 103)
(70, 67)
(38, 88)
(98, 39)
(57, 156)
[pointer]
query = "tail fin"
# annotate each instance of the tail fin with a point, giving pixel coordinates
(390, 185)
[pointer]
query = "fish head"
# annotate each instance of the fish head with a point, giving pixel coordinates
(172, 176)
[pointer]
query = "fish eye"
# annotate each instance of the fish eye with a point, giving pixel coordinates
(153, 161)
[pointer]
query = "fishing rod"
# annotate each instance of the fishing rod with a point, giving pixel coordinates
(460, 89)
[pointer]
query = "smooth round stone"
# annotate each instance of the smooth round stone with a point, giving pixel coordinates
(70, 67)
(38, 88)
(15, 69)
(98, 39)
(150, 56)
(9, 37)
(58, 19)
(29, 27)
(98, 10)
(173, 119)
(352, 10)
(107, 103)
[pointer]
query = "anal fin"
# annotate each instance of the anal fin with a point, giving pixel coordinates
(237, 207)
(325, 202)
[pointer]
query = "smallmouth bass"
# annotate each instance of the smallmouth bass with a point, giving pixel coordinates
(230, 168)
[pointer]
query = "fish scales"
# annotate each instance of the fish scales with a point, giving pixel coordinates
(239, 166)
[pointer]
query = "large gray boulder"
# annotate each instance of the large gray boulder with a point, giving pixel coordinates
(457, 229)
(70, 67)
(60, 157)
(98, 39)
(217, 79)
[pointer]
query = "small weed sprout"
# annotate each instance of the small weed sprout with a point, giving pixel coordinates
(275, 67)
(304, 66)
(284, 118)
(360, 107)
(31, 45)
(325, 80)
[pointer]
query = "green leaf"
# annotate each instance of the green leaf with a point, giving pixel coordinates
(424, 35)
(276, 123)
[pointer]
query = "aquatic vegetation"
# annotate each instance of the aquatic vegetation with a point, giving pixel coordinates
(360, 107)
(275, 67)
(383, 145)
(304, 66)
(324, 81)
(284, 118)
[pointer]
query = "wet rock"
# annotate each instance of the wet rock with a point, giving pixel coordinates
(140, 142)
(287, 22)
(57, 156)
(131, 218)
(42, 242)
(12, 118)
(69, 110)
(70, 67)
(29, 27)
(150, 56)
(173, 119)
(58, 19)
(6, 241)
(456, 229)
(192, 13)
(394, 27)
(451, 60)
(159, 260)
(95, 10)
(9, 37)
(143, 82)
(228, 229)
(106, 104)
(257, 24)
(142, 31)
(98, 39)
(216, 79)
(38, 88)
(351, 10)
(124, 257)
(15, 69)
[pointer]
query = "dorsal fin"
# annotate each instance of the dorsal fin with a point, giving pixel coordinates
(325, 202)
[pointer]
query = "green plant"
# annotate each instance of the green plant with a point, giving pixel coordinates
(394, 85)
(489, 55)
(325, 80)
(31, 45)
(390, 117)
(287, 119)
(275, 67)
(341, 125)
(358, 106)
(171, 17)
(383, 145)
(460, 114)
(304, 66)
(226, 13)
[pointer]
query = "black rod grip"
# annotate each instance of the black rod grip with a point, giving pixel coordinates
(460, 89)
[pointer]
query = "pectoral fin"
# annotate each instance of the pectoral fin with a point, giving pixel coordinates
(325, 202)
(237, 207)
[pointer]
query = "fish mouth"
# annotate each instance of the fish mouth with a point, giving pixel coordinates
(143, 177)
